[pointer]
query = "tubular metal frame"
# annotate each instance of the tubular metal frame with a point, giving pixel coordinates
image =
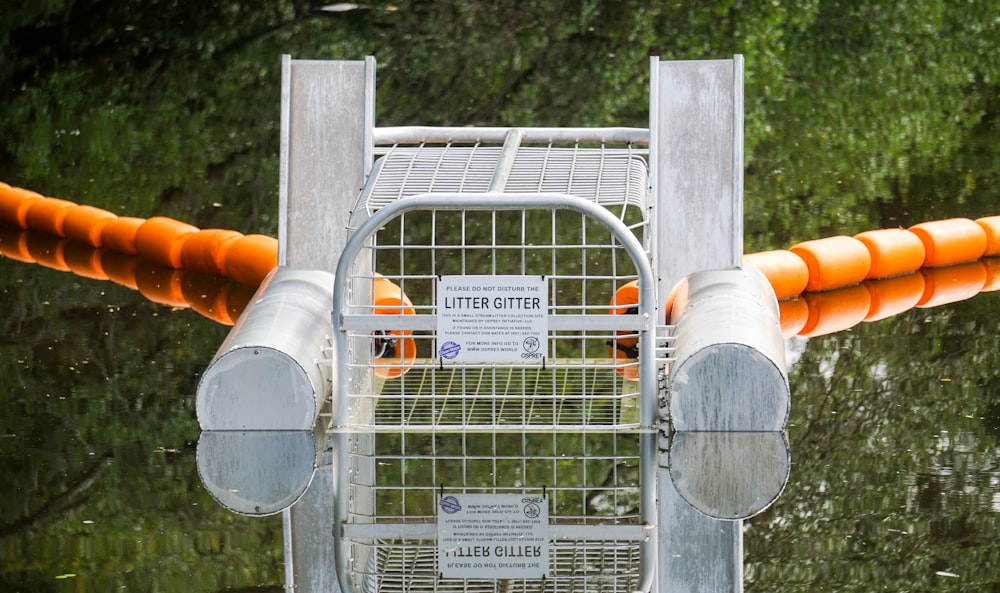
(352, 416)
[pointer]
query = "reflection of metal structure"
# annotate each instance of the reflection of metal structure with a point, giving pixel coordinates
(435, 399)
(259, 472)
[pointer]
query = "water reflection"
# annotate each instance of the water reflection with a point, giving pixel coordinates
(218, 299)
(722, 477)
(729, 475)
(893, 428)
(259, 472)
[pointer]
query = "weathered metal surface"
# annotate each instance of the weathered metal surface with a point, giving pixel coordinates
(309, 543)
(698, 554)
(696, 154)
(696, 162)
(267, 374)
(327, 115)
(729, 370)
(728, 373)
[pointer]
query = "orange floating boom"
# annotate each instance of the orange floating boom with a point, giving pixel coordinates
(250, 258)
(991, 226)
(14, 204)
(785, 270)
(893, 252)
(206, 250)
(161, 239)
(931, 248)
(85, 223)
(47, 215)
(950, 241)
(119, 234)
(834, 262)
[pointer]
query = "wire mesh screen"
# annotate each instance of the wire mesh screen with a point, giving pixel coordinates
(575, 387)
(613, 176)
(586, 567)
(565, 426)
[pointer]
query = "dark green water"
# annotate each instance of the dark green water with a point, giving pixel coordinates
(859, 116)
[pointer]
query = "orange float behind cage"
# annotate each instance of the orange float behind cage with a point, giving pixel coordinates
(625, 344)
(394, 351)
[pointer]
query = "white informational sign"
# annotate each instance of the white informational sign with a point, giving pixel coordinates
(492, 318)
(493, 536)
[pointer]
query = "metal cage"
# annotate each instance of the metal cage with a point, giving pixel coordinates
(575, 427)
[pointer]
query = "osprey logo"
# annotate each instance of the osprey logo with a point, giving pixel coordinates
(531, 345)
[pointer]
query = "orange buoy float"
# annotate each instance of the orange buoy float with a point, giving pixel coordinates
(84, 224)
(891, 296)
(950, 241)
(119, 234)
(396, 361)
(250, 258)
(893, 252)
(835, 310)
(47, 215)
(205, 251)
(785, 270)
(625, 344)
(160, 240)
(625, 301)
(393, 351)
(952, 284)
(991, 226)
(14, 204)
(389, 299)
(834, 262)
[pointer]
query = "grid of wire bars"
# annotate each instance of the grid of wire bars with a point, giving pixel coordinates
(417, 426)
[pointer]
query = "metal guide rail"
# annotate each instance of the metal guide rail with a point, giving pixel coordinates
(478, 364)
